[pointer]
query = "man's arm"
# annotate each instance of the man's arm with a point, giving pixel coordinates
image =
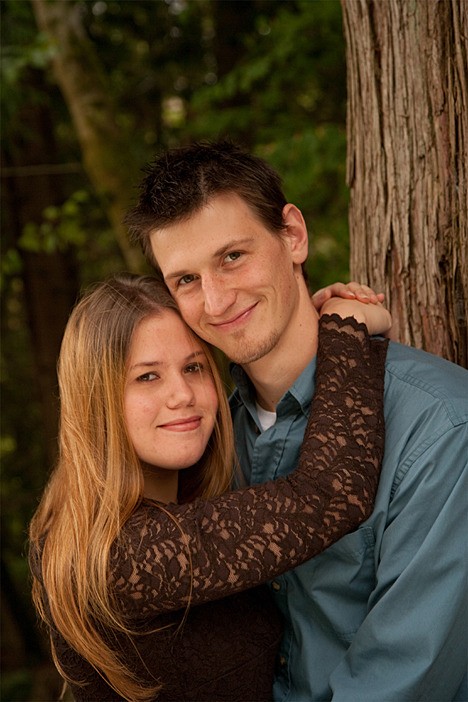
(413, 643)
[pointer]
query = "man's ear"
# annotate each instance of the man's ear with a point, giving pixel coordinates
(295, 234)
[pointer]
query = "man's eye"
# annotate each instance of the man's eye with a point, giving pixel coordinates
(185, 280)
(233, 256)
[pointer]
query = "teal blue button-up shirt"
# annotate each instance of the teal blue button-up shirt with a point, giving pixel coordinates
(381, 616)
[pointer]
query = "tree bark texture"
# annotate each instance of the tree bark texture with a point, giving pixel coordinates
(106, 152)
(407, 164)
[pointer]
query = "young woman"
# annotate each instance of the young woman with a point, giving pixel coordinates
(145, 568)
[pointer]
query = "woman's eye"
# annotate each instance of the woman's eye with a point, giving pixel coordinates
(194, 368)
(147, 377)
(233, 256)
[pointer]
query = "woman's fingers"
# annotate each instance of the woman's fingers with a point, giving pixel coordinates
(349, 291)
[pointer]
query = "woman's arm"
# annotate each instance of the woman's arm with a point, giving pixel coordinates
(339, 298)
(172, 555)
(377, 318)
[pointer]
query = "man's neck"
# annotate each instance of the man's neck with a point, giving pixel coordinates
(276, 372)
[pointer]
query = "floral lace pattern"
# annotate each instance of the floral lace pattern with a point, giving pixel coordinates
(172, 555)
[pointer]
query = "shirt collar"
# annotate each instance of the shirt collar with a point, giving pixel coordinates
(299, 395)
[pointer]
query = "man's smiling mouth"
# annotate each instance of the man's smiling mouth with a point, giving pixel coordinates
(233, 321)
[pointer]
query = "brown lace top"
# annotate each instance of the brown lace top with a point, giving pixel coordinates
(208, 553)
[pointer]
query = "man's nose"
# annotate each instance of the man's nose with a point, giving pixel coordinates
(218, 296)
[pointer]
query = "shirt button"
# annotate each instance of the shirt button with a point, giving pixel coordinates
(282, 661)
(276, 585)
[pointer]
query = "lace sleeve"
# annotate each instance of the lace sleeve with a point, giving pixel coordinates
(168, 556)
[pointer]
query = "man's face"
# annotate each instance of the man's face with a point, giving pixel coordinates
(236, 283)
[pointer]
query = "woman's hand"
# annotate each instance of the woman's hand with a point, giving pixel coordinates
(377, 319)
(347, 291)
(355, 300)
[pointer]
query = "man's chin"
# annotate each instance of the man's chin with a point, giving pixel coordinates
(245, 353)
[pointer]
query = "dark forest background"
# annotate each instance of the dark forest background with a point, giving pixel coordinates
(269, 74)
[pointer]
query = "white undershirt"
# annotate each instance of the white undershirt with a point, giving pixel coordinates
(266, 418)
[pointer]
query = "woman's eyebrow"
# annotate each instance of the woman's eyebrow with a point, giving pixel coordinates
(148, 364)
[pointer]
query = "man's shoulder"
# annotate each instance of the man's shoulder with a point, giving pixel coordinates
(419, 378)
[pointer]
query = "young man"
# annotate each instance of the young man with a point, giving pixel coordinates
(381, 615)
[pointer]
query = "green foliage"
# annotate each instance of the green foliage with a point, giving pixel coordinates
(10, 265)
(62, 226)
(316, 157)
(22, 48)
(36, 55)
(292, 75)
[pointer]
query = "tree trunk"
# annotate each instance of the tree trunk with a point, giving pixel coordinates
(50, 287)
(106, 152)
(407, 164)
(50, 280)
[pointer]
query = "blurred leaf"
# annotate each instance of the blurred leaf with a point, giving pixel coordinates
(10, 265)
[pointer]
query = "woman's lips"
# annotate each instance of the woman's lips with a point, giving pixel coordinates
(182, 424)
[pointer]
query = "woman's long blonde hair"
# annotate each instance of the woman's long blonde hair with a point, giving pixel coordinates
(98, 481)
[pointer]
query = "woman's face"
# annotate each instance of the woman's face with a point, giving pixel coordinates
(170, 396)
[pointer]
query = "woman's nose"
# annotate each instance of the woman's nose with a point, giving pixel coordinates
(179, 393)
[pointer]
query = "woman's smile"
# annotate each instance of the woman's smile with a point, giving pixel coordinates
(170, 397)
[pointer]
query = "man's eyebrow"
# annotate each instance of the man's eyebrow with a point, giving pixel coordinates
(229, 246)
(233, 244)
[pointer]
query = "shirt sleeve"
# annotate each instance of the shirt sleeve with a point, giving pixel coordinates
(169, 556)
(413, 643)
